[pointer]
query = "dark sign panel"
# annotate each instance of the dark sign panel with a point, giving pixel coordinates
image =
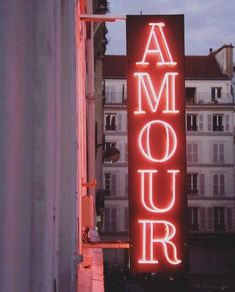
(156, 139)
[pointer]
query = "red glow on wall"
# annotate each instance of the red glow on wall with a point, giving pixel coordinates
(156, 139)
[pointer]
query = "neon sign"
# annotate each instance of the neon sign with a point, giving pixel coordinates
(156, 141)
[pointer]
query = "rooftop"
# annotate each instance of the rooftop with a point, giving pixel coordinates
(196, 67)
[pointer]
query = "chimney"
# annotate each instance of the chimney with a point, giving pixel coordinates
(224, 57)
(210, 51)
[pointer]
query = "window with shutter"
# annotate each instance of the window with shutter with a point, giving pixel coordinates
(192, 152)
(192, 122)
(119, 146)
(126, 184)
(218, 152)
(107, 94)
(110, 219)
(215, 93)
(229, 219)
(219, 220)
(107, 182)
(119, 122)
(227, 123)
(215, 152)
(221, 153)
(107, 220)
(189, 152)
(124, 123)
(113, 184)
(200, 122)
(192, 184)
(210, 218)
(218, 123)
(215, 184)
(126, 152)
(209, 123)
(113, 219)
(195, 153)
(193, 218)
(222, 184)
(202, 218)
(202, 183)
(112, 94)
(219, 184)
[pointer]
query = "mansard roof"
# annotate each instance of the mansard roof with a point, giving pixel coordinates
(196, 68)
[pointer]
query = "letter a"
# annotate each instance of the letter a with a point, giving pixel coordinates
(157, 44)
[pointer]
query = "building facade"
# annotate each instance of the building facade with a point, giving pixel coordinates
(209, 100)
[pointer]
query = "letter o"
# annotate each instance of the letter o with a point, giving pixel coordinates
(170, 149)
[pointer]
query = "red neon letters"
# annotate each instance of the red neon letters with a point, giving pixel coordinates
(156, 143)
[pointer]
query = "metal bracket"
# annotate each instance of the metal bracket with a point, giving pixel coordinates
(100, 18)
(107, 244)
(90, 184)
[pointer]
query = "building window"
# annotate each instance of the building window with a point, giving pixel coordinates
(192, 184)
(190, 95)
(193, 219)
(215, 93)
(218, 184)
(110, 183)
(110, 220)
(110, 94)
(219, 218)
(191, 122)
(192, 152)
(218, 123)
(218, 152)
(195, 184)
(109, 145)
(110, 122)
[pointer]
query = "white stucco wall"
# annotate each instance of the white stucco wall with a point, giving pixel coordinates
(38, 146)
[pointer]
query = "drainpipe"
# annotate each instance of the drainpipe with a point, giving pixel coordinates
(90, 104)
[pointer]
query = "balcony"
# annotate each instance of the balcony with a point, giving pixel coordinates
(205, 98)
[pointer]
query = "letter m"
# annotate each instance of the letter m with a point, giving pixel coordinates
(146, 89)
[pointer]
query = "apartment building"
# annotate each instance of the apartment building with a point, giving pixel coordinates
(209, 100)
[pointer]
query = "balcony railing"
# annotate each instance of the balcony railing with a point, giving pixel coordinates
(206, 98)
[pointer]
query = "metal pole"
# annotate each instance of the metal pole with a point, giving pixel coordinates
(90, 104)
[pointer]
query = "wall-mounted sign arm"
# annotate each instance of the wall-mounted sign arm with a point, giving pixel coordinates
(100, 18)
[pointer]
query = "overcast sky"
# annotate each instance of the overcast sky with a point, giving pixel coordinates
(208, 23)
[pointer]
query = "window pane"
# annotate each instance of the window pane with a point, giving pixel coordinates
(215, 184)
(222, 185)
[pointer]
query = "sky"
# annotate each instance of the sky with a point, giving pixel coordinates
(208, 23)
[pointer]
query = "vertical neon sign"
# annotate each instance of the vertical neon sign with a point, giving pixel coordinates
(156, 139)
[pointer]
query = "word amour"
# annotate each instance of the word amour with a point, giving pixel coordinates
(149, 101)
